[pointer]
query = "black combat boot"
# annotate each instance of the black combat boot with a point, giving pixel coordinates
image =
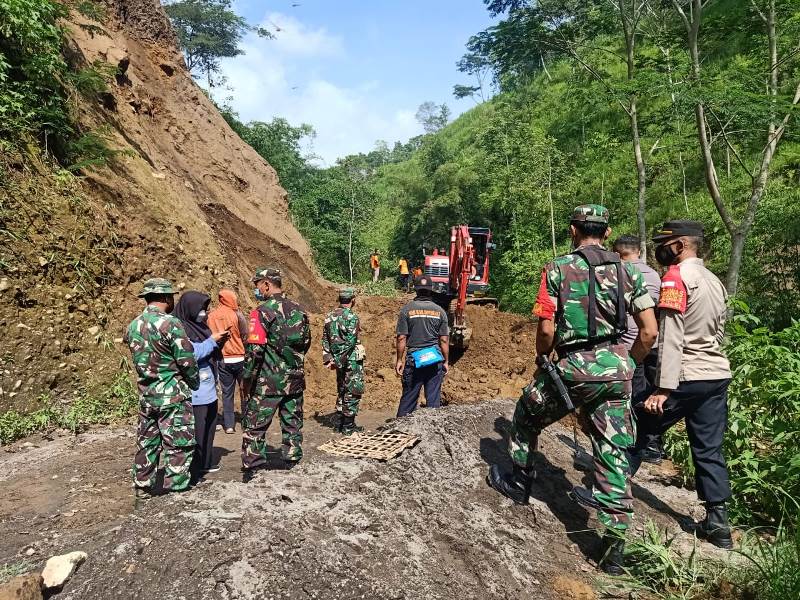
(514, 485)
(349, 426)
(715, 528)
(584, 497)
(143, 493)
(613, 559)
(653, 453)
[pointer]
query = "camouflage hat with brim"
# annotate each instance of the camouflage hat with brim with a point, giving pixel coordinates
(590, 213)
(678, 228)
(347, 294)
(265, 272)
(423, 282)
(157, 285)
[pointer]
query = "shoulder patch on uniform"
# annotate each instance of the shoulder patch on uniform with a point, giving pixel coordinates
(544, 308)
(257, 333)
(673, 291)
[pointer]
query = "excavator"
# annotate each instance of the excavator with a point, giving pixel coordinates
(462, 277)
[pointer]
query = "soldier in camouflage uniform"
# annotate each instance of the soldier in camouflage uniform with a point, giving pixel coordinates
(167, 373)
(342, 350)
(583, 302)
(274, 379)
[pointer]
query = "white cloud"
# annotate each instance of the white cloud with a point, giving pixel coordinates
(294, 38)
(273, 79)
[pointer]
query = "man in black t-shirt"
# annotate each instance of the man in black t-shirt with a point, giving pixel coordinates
(422, 325)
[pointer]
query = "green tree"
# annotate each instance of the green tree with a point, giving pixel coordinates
(433, 116)
(32, 70)
(280, 144)
(209, 30)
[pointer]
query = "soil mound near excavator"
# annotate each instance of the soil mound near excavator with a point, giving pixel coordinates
(497, 364)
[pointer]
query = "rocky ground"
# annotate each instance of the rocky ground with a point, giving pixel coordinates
(424, 525)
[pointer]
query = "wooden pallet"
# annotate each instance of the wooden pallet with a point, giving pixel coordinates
(380, 446)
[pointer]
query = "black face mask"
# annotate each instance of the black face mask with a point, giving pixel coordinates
(666, 254)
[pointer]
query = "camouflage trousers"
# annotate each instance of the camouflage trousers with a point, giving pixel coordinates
(350, 387)
(169, 431)
(605, 416)
(256, 420)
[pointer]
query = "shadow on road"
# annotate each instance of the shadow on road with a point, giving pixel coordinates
(551, 487)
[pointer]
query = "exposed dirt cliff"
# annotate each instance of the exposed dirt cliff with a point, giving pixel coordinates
(187, 200)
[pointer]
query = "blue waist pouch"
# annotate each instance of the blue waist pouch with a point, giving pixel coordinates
(425, 357)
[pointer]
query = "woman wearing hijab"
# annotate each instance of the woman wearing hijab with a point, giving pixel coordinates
(227, 317)
(192, 310)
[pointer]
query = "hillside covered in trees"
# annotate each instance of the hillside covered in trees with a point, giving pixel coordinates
(559, 132)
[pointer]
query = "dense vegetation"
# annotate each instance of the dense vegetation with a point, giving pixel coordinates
(40, 82)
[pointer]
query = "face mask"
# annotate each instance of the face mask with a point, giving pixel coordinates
(202, 316)
(257, 293)
(666, 254)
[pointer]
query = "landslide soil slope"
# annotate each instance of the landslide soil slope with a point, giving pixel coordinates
(186, 199)
(423, 525)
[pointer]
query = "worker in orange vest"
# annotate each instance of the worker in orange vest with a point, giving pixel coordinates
(375, 264)
(405, 274)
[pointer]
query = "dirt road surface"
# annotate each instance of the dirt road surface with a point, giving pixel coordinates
(424, 525)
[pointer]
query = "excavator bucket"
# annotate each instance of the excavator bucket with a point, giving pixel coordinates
(460, 337)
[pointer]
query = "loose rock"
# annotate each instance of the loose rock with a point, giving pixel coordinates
(59, 569)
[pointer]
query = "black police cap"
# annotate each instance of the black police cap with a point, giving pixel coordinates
(679, 228)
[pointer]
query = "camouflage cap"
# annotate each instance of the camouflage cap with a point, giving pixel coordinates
(265, 272)
(590, 213)
(347, 294)
(157, 285)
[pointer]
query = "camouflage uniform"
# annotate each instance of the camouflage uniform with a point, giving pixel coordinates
(275, 372)
(597, 375)
(167, 372)
(340, 337)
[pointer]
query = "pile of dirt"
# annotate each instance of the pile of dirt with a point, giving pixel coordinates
(423, 525)
(183, 198)
(496, 364)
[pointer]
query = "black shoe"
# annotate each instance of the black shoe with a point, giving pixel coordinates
(585, 498)
(248, 474)
(349, 426)
(338, 421)
(514, 485)
(715, 528)
(288, 465)
(143, 493)
(652, 453)
(613, 560)
(652, 456)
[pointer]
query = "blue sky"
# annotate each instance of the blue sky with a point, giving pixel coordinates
(354, 69)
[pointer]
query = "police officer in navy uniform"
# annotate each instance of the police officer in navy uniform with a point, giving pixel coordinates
(693, 373)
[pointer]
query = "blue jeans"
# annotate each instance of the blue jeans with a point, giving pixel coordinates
(414, 379)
